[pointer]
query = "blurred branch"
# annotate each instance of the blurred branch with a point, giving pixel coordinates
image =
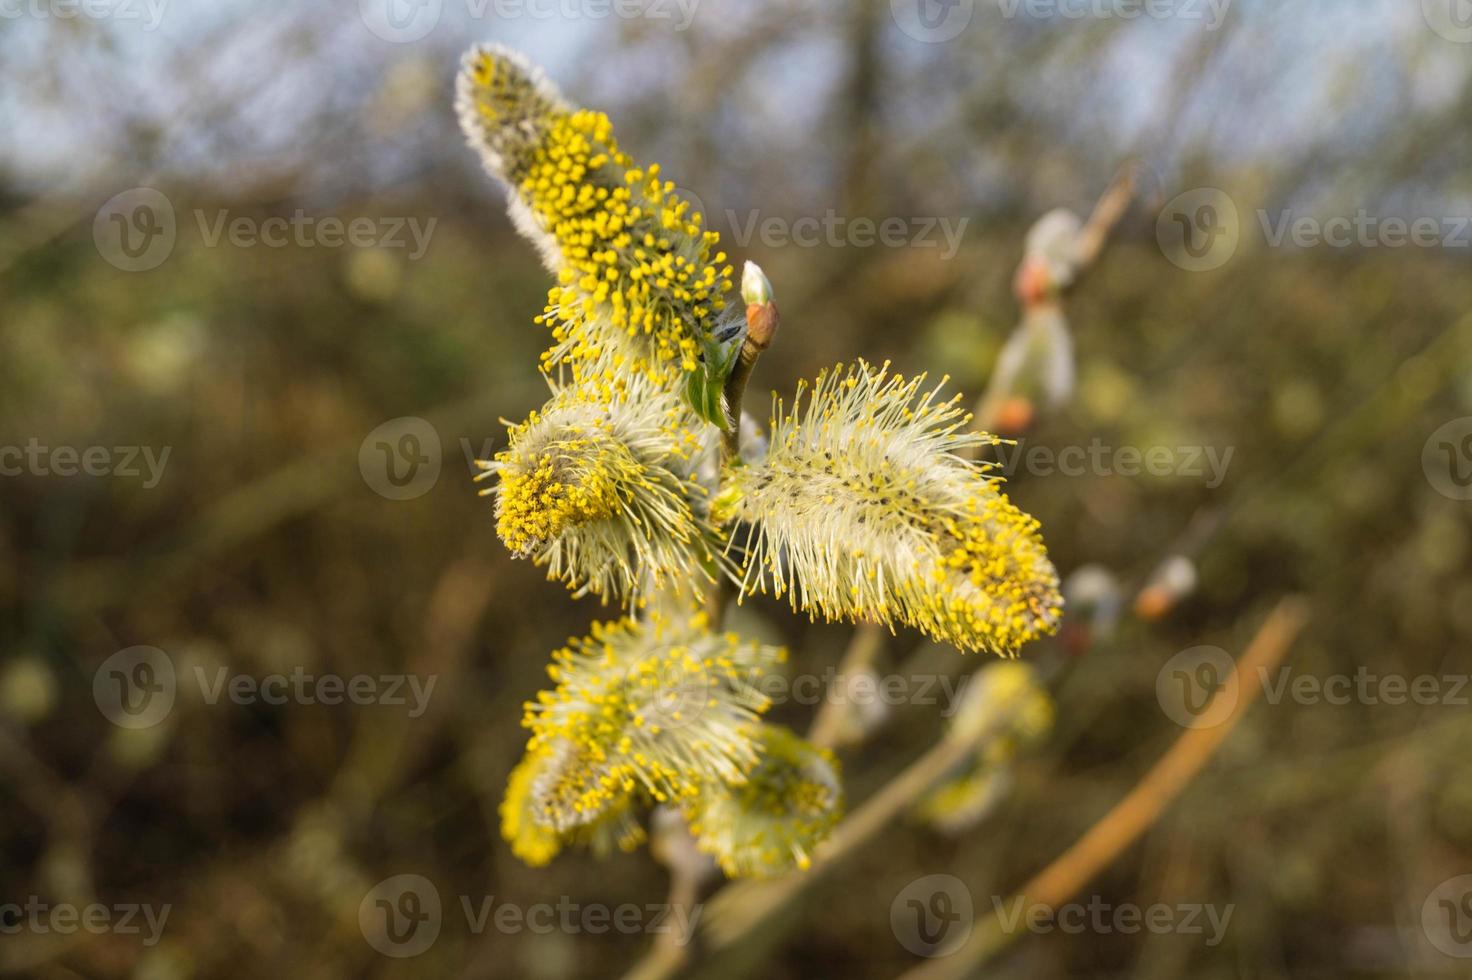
(863, 648)
(1134, 814)
(743, 907)
(1108, 211)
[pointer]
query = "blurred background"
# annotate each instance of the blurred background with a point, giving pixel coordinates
(260, 308)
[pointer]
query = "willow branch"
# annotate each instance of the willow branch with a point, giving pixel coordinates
(1109, 209)
(741, 907)
(863, 648)
(1134, 814)
(761, 327)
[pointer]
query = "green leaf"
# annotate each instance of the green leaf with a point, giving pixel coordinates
(704, 385)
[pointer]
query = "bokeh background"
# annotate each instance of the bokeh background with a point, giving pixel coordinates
(268, 544)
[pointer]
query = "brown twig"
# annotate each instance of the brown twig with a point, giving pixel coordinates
(1134, 814)
(863, 648)
(761, 328)
(1108, 211)
(737, 910)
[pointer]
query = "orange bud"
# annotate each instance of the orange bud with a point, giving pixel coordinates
(1032, 282)
(761, 324)
(1153, 602)
(1015, 415)
(1169, 584)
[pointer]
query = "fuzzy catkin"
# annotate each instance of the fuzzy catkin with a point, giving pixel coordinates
(600, 485)
(640, 282)
(865, 509)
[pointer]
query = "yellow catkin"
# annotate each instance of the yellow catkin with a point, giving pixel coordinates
(865, 509)
(600, 485)
(650, 710)
(770, 823)
(639, 280)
